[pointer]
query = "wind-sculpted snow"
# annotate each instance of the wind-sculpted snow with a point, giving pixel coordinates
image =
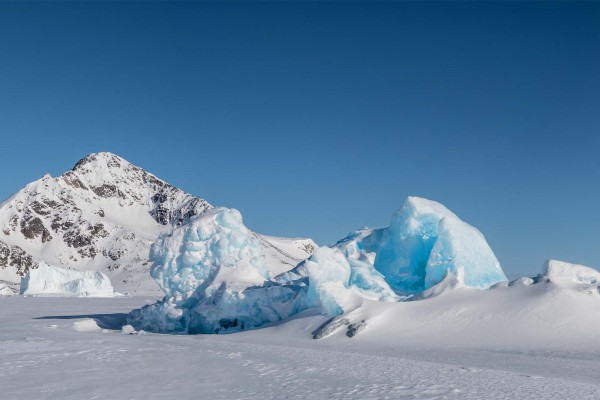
(215, 277)
(47, 280)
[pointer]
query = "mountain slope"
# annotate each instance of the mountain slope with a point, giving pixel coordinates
(103, 215)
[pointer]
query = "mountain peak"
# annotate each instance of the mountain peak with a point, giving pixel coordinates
(100, 160)
(102, 214)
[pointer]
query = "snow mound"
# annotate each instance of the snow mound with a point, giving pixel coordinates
(215, 277)
(54, 281)
(565, 274)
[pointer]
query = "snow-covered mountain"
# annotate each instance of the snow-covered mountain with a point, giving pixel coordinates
(103, 215)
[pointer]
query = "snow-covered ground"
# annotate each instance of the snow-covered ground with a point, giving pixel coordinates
(73, 348)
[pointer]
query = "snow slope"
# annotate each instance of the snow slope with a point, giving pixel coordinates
(103, 215)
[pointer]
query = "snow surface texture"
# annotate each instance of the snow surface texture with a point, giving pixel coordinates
(530, 342)
(215, 277)
(47, 280)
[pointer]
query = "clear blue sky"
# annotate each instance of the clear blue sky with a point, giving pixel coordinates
(314, 119)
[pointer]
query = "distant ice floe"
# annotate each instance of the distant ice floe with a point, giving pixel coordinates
(47, 280)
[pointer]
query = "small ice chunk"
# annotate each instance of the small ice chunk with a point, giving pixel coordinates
(128, 330)
(523, 281)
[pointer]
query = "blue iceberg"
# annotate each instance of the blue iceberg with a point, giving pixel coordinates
(216, 278)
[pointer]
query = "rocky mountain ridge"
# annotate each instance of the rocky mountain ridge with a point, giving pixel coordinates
(102, 215)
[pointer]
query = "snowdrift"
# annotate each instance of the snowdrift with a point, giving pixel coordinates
(557, 309)
(570, 275)
(216, 280)
(47, 280)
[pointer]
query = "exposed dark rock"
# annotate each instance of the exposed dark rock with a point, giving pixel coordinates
(71, 179)
(309, 248)
(98, 230)
(39, 208)
(74, 238)
(33, 227)
(330, 326)
(113, 267)
(355, 327)
(62, 210)
(106, 190)
(114, 254)
(4, 255)
(165, 214)
(17, 257)
(14, 221)
(58, 224)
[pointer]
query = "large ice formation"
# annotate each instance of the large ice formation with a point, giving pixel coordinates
(423, 243)
(215, 278)
(338, 280)
(54, 281)
(426, 250)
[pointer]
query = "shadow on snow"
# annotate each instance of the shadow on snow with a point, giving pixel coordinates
(105, 321)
